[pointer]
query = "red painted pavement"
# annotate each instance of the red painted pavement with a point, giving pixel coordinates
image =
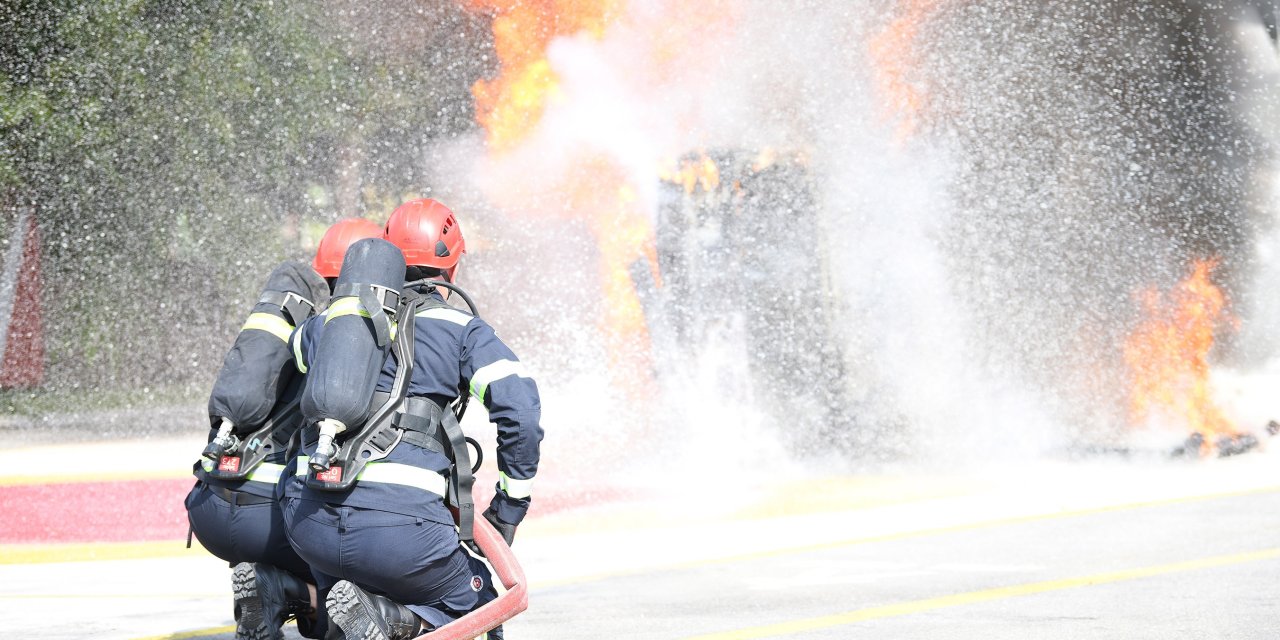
(148, 510)
(126, 510)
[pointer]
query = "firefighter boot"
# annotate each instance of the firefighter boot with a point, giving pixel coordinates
(283, 596)
(364, 616)
(265, 597)
(248, 607)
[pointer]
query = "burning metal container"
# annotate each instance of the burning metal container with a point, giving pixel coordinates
(741, 250)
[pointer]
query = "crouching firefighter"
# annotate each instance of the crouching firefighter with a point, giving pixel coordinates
(234, 508)
(380, 505)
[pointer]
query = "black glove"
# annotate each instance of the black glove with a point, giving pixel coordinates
(508, 531)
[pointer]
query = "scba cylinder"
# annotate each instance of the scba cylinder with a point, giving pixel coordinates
(355, 341)
(260, 364)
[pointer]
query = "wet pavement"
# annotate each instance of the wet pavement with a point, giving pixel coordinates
(1098, 549)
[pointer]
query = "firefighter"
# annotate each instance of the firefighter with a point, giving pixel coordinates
(337, 238)
(388, 544)
(235, 512)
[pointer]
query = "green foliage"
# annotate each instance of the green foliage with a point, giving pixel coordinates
(172, 149)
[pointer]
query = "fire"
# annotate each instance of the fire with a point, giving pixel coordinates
(600, 190)
(581, 176)
(510, 105)
(626, 251)
(1167, 356)
(692, 173)
(593, 186)
(895, 55)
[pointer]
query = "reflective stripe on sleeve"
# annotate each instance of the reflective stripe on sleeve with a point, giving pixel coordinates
(268, 472)
(297, 352)
(393, 473)
(273, 325)
(350, 306)
(485, 375)
(515, 487)
(347, 306)
(451, 315)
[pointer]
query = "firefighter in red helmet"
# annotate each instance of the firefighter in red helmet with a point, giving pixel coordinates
(403, 568)
(336, 240)
(234, 507)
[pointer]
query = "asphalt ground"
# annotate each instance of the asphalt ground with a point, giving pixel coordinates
(1048, 549)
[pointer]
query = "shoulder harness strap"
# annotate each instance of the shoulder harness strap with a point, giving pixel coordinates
(295, 306)
(375, 439)
(460, 476)
(380, 303)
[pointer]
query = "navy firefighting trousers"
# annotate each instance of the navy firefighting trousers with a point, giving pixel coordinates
(412, 561)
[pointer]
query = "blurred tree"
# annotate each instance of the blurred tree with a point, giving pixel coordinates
(173, 148)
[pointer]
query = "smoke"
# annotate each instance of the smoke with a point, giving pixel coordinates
(977, 257)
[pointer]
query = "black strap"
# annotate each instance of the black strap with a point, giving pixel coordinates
(417, 423)
(388, 299)
(377, 301)
(238, 498)
(421, 430)
(422, 441)
(295, 306)
(376, 438)
(420, 421)
(377, 315)
(454, 441)
(430, 301)
(460, 478)
(423, 411)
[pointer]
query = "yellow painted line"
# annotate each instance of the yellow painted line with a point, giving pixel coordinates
(81, 552)
(168, 595)
(986, 595)
(200, 633)
(903, 535)
(856, 492)
(192, 634)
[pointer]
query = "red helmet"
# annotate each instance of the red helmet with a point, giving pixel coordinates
(333, 246)
(428, 234)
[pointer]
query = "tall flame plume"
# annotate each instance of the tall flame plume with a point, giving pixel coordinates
(591, 185)
(513, 103)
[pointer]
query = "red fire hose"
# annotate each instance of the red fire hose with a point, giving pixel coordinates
(500, 609)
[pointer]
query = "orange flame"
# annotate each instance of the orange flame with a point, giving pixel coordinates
(599, 189)
(1168, 355)
(896, 58)
(691, 173)
(594, 187)
(509, 106)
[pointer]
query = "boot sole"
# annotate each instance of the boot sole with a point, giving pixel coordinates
(248, 606)
(348, 609)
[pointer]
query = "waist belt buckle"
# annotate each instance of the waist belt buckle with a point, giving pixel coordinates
(377, 451)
